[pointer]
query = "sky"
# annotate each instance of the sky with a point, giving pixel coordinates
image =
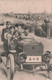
(25, 6)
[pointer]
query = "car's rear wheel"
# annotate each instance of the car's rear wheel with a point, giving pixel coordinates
(10, 67)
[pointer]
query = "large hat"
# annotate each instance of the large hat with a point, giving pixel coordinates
(8, 22)
(46, 20)
(12, 27)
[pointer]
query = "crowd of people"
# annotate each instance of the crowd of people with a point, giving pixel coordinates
(11, 35)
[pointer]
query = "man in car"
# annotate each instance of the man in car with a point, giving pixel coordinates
(29, 35)
(20, 29)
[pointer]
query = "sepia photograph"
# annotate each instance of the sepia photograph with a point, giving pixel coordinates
(25, 39)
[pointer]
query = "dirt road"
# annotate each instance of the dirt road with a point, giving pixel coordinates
(23, 75)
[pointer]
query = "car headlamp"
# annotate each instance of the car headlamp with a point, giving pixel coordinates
(22, 56)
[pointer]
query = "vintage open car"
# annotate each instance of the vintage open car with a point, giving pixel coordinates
(28, 55)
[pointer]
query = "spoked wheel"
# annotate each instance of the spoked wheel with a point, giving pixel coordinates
(10, 67)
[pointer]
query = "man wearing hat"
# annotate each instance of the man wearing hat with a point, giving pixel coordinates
(5, 30)
(3, 36)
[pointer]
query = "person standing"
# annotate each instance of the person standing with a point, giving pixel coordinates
(4, 37)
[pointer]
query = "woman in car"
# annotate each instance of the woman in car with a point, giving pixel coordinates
(10, 37)
(16, 37)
